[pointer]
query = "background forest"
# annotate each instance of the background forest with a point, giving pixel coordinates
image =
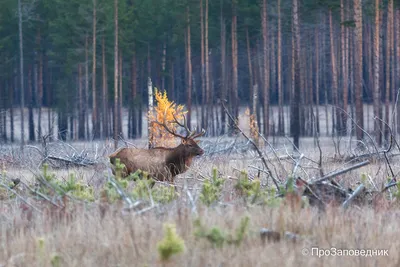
(79, 68)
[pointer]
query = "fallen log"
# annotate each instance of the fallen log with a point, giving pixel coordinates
(334, 174)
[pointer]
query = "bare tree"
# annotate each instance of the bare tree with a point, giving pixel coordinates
(81, 121)
(339, 127)
(86, 106)
(150, 111)
(207, 71)
(39, 83)
(234, 92)
(317, 79)
(95, 119)
(281, 118)
(250, 69)
(266, 72)
(388, 50)
(120, 61)
(358, 69)
(345, 78)
(377, 93)
(189, 66)
(223, 67)
(21, 72)
(295, 118)
(203, 83)
(397, 59)
(104, 131)
(163, 64)
(31, 123)
(116, 127)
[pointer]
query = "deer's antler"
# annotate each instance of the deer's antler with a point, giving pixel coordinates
(203, 132)
(169, 130)
(189, 133)
(184, 125)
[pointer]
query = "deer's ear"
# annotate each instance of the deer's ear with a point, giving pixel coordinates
(184, 141)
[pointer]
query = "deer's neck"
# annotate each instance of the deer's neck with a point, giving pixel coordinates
(177, 161)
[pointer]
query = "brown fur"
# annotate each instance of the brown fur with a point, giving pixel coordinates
(163, 164)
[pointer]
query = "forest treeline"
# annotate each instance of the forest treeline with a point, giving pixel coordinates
(86, 63)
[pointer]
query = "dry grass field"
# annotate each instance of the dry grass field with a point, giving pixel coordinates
(62, 229)
(225, 208)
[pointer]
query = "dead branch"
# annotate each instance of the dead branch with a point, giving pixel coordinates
(336, 173)
(362, 129)
(253, 144)
(146, 209)
(297, 164)
(74, 161)
(389, 147)
(39, 177)
(19, 196)
(120, 191)
(273, 151)
(36, 192)
(358, 191)
(389, 186)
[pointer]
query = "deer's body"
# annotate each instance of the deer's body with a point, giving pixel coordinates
(163, 164)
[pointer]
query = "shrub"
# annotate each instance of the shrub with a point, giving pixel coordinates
(71, 186)
(171, 244)
(253, 193)
(211, 189)
(217, 237)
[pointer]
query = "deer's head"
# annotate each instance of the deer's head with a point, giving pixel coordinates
(189, 146)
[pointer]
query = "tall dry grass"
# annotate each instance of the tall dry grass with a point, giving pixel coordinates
(86, 238)
(82, 235)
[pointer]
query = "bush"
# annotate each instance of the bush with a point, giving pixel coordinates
(160, 194)
(71, 186)
(171, 244)
(253, 193)
(211, 189)
(217, 237)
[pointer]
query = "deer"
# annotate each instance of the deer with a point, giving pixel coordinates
(162, 163)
